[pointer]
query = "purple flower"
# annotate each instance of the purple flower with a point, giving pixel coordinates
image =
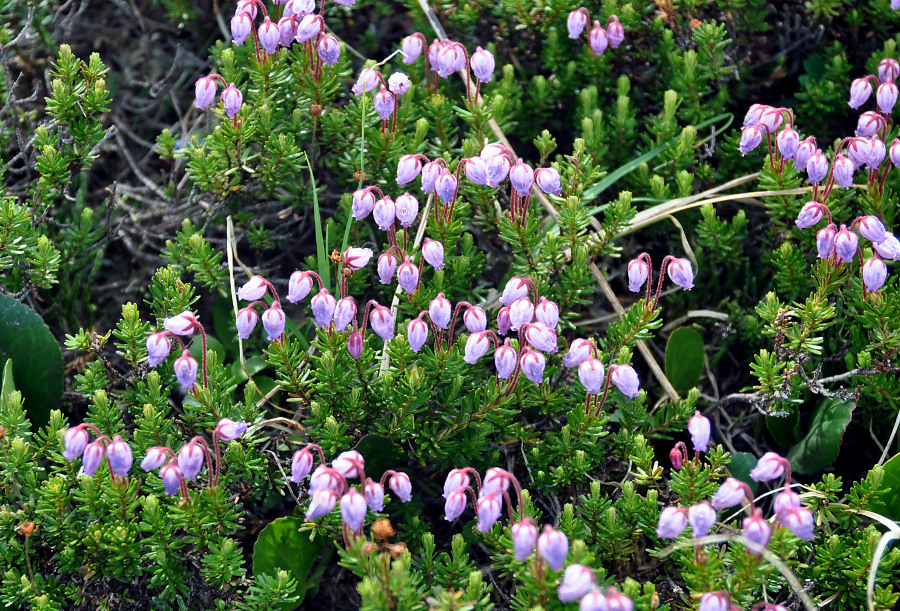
(182, 324)
(353, 510)
(382, 322)
(547, 312)
(548, 181)
(638, 272)
(505, 359)
(190, 460)
(273, 321)
(715, 601)
(387, 265)
(355, 343)
(886, 97)
(521, 312)
(411, 48)
(591, 373)
(241, 26)
(869, 123)
(672, 522)
(729, 494)
(553, 547)
(204, 92)
(408, 276)
(455, 504)
(407, 208)
(446, 186)
(374, 493)
(119, 456)
(158, 347)
(476, 170)
(75, 440)
(597, 39)
(576, 22)
(625, 378)
(888, 68)
(229, 430)
(699, 428)
(871, 229)
(384, 213)
(860, 90)
(843, 171)
(323, 502)
(329, 49)
(895, 152)
(477, 346)
(770, 466)
(344, 313)
(579, 350)
(322, 306)
(401, 486)
(171, 476)
(817, 167)
(246, 322)
(186, 370)
(357, 258)
(475, 319)
(384, 103)
(363, 203)
(859, 151)
(889, 248)
(805, 150)
(787, 141)
(756, 529)
(498, 168)
(515, 289)
(825, 241)
(287, 31)
(269, 36)
(845, 244)
(702, 517)
(533, 364)
(326, 478)
(368, 80)
(487, 509)
(440, 310)
(483, 65)
(615, 33)
(800, 521)
(751, 136)
(433, 252)
(681, 273)
(299, 286)
(416, 333)
(233, 100)
(754, 113)
(770, 119)
(456, 479)
(524, 537)
(431, 171)
(451, 58)
(786, 499)
(301, 465)
(399, 83)
(541, 337)
(503, 320)
(593, 601)
(576, 582)
(350, 464)
(522, 177)
(878, 153)
(155, 458)
(874, 273)
(92, 457)
(253, 289)
(310, 27)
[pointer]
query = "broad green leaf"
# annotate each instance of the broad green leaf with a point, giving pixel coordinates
(889, 502)
(281, 546)
(741, 464)
(380, 454)
(223, 324)
(685, 355)
(37, 362)
(212, 343)
(786, 431)
(819, 448)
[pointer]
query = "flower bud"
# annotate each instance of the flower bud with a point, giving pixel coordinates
(246, 322)
(515, 289)
(367, 81)
(541, 337)
(638, 272)
(672, 522)
(625, 378)
(75, 440)
(273, 320)
(810, 214)
(553, 546)
(374, 493)
(699, 428)
(702, 517)
(301, 465)
(576, 22)
(433, 252)
(363, 203)
(416, 333)
(349, 464)
(533, 364)
(92, 457)
(322, 306)
(408, 276)
(800, 521)
(874, 273)
(182, 324)
(344, 313)
(233, 100)
(805, 150)
(715, 601)
(576, 582)
(681, 273)
(384, 103)
(186, 370)
(158, 347)
(505, 359)
(757, 530)
(204, 92)
(475, 319)
(845, 245)
(751, 136)
(171, 476)
(786, 499)
(498, 168)
(384, 213)
(357, 258)
(446, 186)
(729, 494)
(323, 502)
(269, 36)
(597, 39)
(401, 486)
(407, 208)
(382, 322)
(190, 460)
(825, 241)
(888, 69)
(483, 65)
(548, 180)
(522, 177)
(868, 124)
(886, 97)
(253, 289)
(591, 373)
(524, 537)
(871, 228)
(119, 457)
(430, 173)
(386, 266)
(676, 458)
(860, 90)
(521, 312)
(455, 504)
(615, 33)
(355, 342)
(889, 248)
(241, 26)
(817, 167)
(488, 509)
(329, 49)
(843, 171)
(411, 48)
(476, 170)
(579, 350)
(547, 313)
(353, 510)
(299, 286)
(503, 320)
(229, 430)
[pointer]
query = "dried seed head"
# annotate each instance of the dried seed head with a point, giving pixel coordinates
(315, 109)
(382, 529)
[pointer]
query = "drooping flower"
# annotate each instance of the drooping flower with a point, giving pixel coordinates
(186, 368)
(625, 378)
(681, 273)
(615, 33)
(273, 320)
(576, 582)
(576, 22)
(597, 39)
(158, 347)
(874, 273)
(699, 427)
(702, 517)
(190, 460)
(483, 65)
(729, 494)
(524, 536)
(233, 100)
(416, 334)
(591, 373)
(407, 208)
(401, 486)
(205, 92)
(553, 547)
(638, 272)
(672, 522)
(533, 364)
(353, 510)
(299, 286)
(860, 90)
(75, 440)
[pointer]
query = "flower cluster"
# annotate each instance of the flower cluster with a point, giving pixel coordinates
(185, 466)
(205, 93)
(328, 486)
(159, 345)
(598, 37)
(445, 57)
(640, 270)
